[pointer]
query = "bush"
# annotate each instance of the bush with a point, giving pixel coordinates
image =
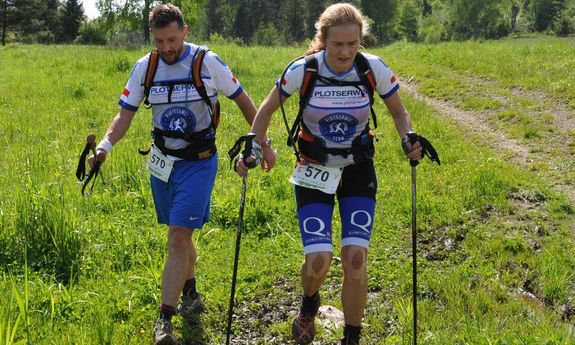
(432, 30)
(564, 26)
(267, 35)
(216, 39)
(91, 33)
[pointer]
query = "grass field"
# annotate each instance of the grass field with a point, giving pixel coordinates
(496, 237)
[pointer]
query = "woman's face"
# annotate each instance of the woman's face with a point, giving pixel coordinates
(341, 45)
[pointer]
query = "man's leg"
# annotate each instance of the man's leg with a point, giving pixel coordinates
(175, 273)
(178, 265)
(191, 301)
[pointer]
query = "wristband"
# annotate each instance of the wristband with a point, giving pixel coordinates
(105, 145)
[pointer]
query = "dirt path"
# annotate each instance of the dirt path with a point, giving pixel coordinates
(526, 154)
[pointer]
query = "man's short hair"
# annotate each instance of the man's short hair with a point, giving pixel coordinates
(164, 14)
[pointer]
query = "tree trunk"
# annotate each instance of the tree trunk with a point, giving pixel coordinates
(145, 22)
(514, 14)
(4, 23)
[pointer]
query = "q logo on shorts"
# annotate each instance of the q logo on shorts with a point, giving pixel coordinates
(179, 119)
(337, 127)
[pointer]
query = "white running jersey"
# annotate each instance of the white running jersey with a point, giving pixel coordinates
(187, 112)
(339, 114)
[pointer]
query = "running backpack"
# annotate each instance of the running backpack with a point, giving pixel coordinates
(314, 146)
(202, 143)
(196, 82)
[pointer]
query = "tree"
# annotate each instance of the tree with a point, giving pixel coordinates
(292, 22)
(72, 17)
(545, 12)
(5, 7)
(383, 14)
(215, 17)
(314, 10)
(477, 19)
(408, 20)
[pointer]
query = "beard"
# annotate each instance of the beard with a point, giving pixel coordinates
(172, 57)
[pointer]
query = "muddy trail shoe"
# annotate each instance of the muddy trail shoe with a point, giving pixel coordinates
(190, 305)
(350, 340)
(163, 333)
(303, 328)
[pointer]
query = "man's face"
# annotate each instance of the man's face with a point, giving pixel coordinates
(169, 41)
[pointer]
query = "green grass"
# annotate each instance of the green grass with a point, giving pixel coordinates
(492, 235)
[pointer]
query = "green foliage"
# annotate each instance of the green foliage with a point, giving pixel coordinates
(266, 35)
(408, 21)
(92, 32)
(72, 17)
(477, 19)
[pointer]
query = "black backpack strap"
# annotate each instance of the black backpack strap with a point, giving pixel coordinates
(366, 76)
(150, 73)
(307, 86)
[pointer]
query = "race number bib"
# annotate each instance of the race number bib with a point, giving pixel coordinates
(159, 165)
(314, 176)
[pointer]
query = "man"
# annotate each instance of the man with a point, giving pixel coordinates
(183, 159)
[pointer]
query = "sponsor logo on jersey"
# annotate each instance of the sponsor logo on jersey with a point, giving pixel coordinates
(126, 92)
(161, 90)
(337, 127)
(178, 119)
(393, 79)
(338, 93)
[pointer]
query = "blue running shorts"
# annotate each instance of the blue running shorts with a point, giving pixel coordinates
(356, 197)
(185, 199)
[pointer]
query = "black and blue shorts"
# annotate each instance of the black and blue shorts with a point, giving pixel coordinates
(356, 197)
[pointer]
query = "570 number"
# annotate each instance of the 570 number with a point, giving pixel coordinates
(157, 161)
(314, 173)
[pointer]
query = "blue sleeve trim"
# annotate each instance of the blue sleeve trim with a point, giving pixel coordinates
(395, 88)
(237, 93)
(127, 106)
(284, 93)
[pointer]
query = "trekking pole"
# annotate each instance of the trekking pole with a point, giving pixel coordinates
(414, 244)
(428, 150)
(245, 154)
(95, 169)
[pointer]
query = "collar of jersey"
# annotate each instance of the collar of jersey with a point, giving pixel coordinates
(186, 53)
(339, 75)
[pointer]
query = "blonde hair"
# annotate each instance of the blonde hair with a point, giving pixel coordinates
(336, 14)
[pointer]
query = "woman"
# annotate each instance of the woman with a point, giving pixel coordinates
(335, 158)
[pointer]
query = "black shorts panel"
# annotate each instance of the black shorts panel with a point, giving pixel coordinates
(356, 180)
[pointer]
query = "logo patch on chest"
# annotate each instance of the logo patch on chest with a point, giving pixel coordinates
(337, 127)
(178, 119)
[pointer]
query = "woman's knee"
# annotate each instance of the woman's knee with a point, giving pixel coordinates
(354, 261)
(317, 264)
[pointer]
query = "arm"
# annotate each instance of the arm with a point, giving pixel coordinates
(259, 126)
(402, 122)
(246, 106)
(115, 132)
